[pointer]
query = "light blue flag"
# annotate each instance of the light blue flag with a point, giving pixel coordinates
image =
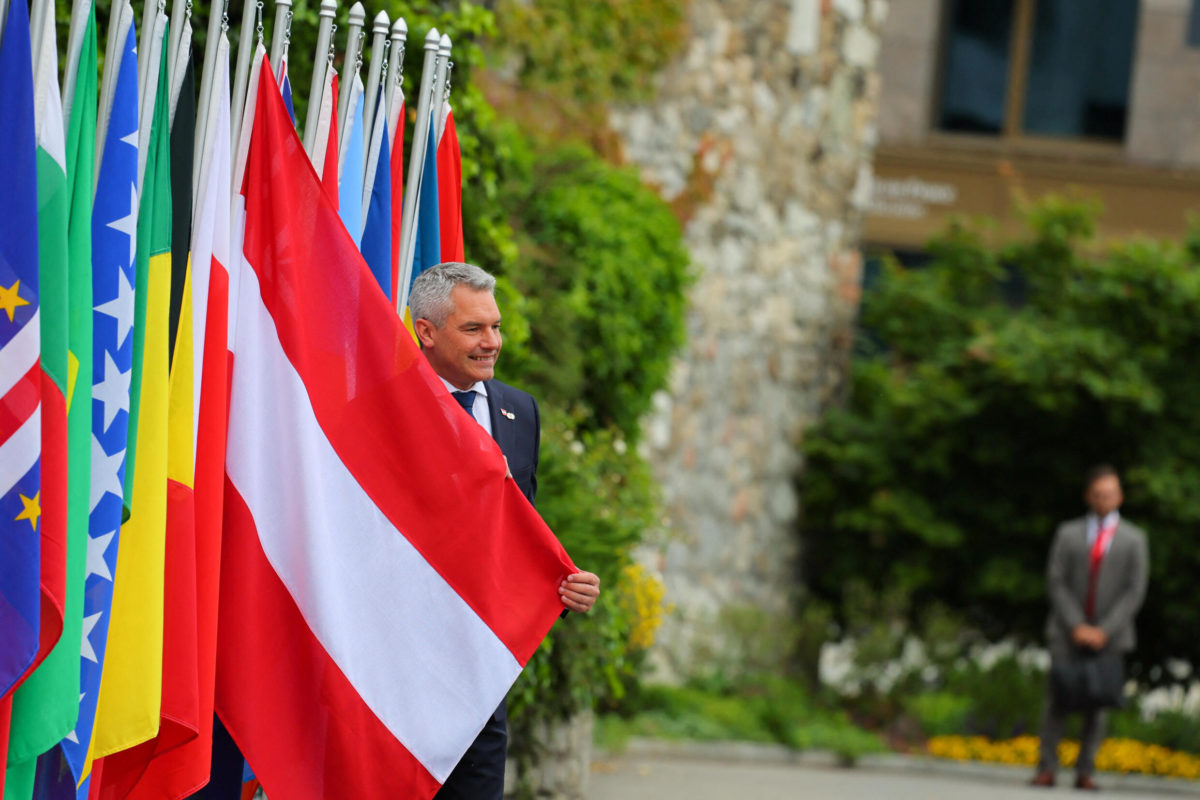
(114, 224)
(350, 185)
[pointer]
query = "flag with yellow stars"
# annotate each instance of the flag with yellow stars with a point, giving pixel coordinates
(20, 368)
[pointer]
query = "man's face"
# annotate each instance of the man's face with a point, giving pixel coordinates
(1104, 495)
(464, 349)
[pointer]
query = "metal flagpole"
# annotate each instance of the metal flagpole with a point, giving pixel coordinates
(150, 13)
(206, 123)
(416, 163)
(321, 63)
(374, 150)
(358, 16)
(395, 78)
(374, 73)
(154, 42)
(439, 88)
(178, 9)
(80, 10)
(119, 24)
(279, 33)
(218, 23)
(251, 9)
(37, 21)
(176, 69)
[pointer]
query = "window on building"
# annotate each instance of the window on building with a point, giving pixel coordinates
(1046, 68)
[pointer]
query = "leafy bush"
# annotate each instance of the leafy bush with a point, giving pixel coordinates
(939, 713)
(603, 270)
(763, 708)
(991, 379)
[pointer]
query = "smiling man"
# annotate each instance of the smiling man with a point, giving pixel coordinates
(457, 321)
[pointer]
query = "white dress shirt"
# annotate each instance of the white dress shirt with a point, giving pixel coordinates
(1095, 524)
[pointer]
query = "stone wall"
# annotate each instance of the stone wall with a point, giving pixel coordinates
(764, 148)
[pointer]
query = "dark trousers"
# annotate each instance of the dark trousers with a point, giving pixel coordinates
(1054, 721)
(480, 773)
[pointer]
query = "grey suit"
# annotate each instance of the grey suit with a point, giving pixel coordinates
(1120, 590)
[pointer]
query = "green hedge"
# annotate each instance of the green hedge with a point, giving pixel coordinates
(986, 382)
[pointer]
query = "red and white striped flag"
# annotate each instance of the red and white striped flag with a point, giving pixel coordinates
(383, 581)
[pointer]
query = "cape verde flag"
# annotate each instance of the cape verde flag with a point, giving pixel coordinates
(382, 580)
(20, 365)
(114, 224)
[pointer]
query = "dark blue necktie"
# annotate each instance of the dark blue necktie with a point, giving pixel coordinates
(466, 400)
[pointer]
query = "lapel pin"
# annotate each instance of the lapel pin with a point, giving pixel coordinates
(508, 413)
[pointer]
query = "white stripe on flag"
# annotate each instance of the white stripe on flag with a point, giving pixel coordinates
(21, 353)
(21, 451)
(425, 664)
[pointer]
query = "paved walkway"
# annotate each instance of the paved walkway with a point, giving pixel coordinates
(713, 772)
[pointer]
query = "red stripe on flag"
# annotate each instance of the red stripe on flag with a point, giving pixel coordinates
(274, 677)
(363, 373)
(329, 170)
(20, 402)
(397, 173)
(53, 502)
(5, 719)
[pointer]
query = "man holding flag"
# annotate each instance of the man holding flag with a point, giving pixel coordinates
(383, 581)
(457, 321)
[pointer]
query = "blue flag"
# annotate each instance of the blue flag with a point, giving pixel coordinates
(428, 246)
(20, 347)
(285, 89)
(114, 225)
(376, 246)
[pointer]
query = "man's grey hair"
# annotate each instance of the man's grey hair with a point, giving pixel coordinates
(430, 295)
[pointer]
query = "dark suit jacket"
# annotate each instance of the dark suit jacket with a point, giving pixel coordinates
(1120, 584)
(517, 428)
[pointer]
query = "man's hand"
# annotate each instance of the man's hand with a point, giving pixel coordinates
(578, 592)
(1089, 636)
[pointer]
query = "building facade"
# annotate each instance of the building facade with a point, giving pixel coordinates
(986, 103)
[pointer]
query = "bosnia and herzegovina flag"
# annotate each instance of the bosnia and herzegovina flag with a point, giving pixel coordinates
(113, 229)
(358, 666)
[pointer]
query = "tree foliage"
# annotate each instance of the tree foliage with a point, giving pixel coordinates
(987, 382)
(603, 270)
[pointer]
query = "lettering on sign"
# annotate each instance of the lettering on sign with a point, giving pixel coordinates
(909, 198)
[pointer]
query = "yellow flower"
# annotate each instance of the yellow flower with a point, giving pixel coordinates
(641, 597)
(1115, 755)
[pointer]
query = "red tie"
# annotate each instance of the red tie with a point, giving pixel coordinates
(1103, 537)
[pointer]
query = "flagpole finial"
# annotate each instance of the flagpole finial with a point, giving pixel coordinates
(400, 28)
(358, 14)
(444, 45)
(433, 39)
(328, 8)
(381, 23)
